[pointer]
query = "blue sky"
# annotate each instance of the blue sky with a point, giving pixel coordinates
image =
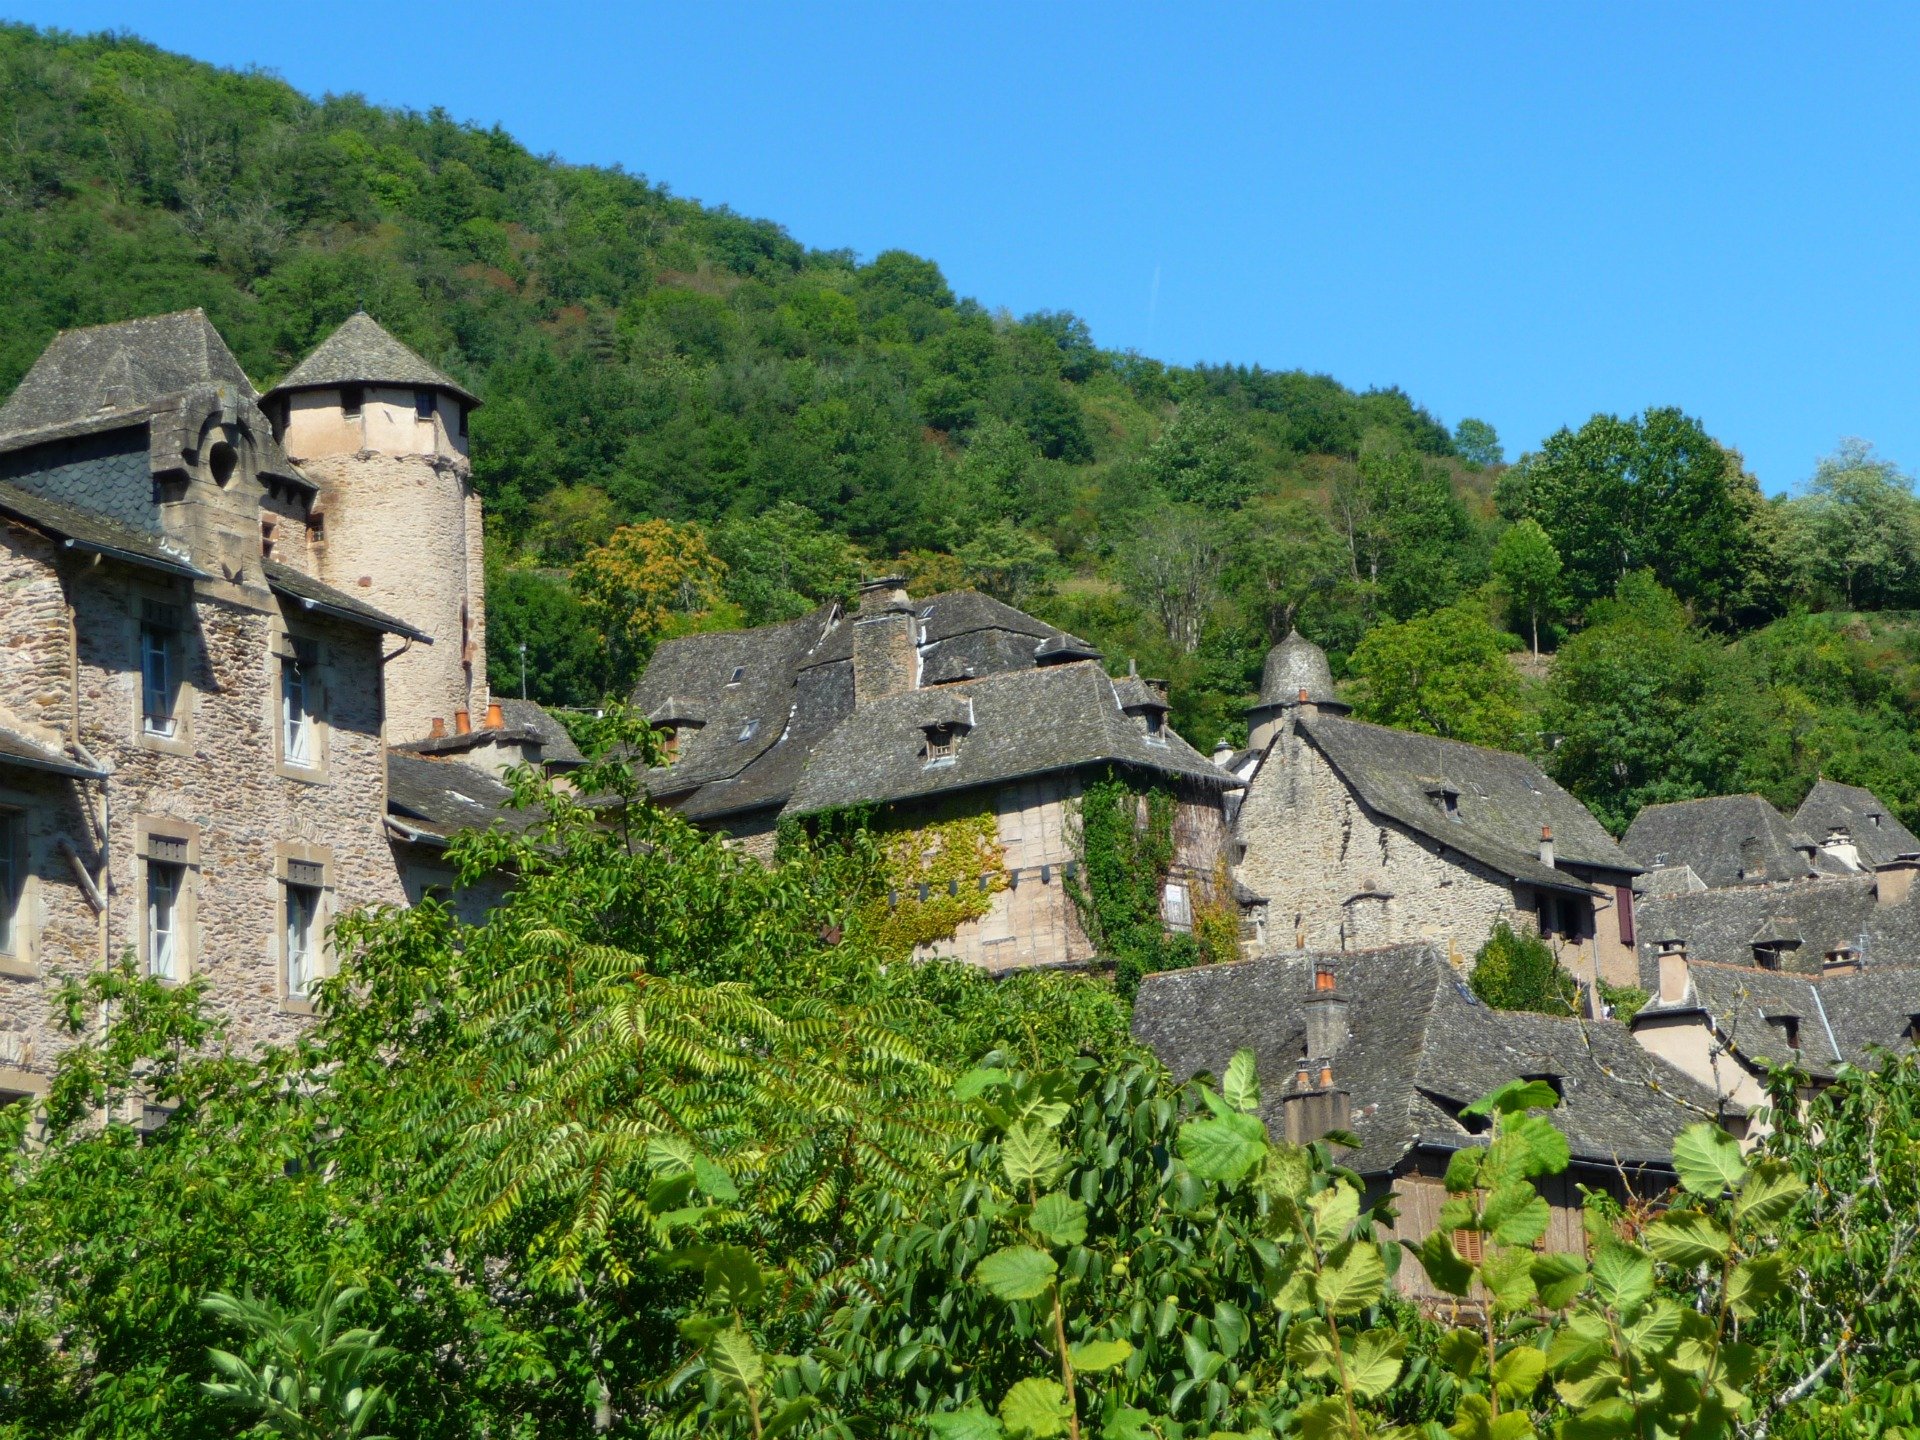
(1524, 213)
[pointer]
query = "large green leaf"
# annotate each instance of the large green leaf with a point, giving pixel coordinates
(1508, 1274)
(1769, 1192)
(1240, 1087)
(1516, 1214)
(1622, 1275)
(1516, 1097)
(1462, 1351)
(1518, 1373)
(1686, 1237)
(1373, 1361)
(1223, 1147)
(972, 1423)
(1099, 1354)
(1754, 1282)
(1333, 1210)
(735, 1362)
(1352, 1278)
(1030, 1155)
(1323, 1419)
(1126, 1424)
(1444, 1267)
(1035, 1407)
(1474, 1420)
(1559, 1277)
(970, 1086)
(1312, 1347)
(1017, 1272)
(1059, 1219)
(1707, 1159)
(1604, 1420)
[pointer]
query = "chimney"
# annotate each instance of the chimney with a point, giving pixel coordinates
(1675, 978)
(1893, 881)
(1306, 706)
(1546, 846)
(1842, 960)
(1222, 752)
(1326, 1014)
(439, 729)
(496, 717)
(885, 658)
(1309, 1110)
(462, 723)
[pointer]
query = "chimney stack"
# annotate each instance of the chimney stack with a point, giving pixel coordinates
(1546, 846)
(886, 661)
(1893, 881)
(1842, 960)
(1309, 1111)
(1675, 978)
(1326, 1015)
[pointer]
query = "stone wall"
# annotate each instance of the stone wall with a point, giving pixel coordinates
(36, 681)
(1338, 877)
(402, 531)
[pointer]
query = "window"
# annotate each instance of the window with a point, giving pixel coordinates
(1176, 907)
(267, 527)
(463, 421)
(12, 880)
(1788, 1027)
(159, 670)
(739, 674)
(222, 460)
(1156, 727)
(1623, 905)
(943, 742)
(1450, 802)
(425, 402)
(1470, 1245)
(350, 401)
(303, 926)
(299, 697)
(749, 730)
(166, 958)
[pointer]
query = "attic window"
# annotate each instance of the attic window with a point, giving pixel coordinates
(1789, 1028)
(221, 462)
(739, 674)
(350, 401)
(425, 403)
(463, 421)
(749, 730)
(1554, 1082)
(1450, 803)
(943, 742)
(1156, 725)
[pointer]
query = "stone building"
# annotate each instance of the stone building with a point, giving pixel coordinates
(194, 718)
(1352, 836)
(953, 705)
(1390, 1046)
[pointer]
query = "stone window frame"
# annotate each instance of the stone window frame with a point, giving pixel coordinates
(146, 830)
(281, 649)
(289, 859)
(420, 881)
(147, 602)
(21, 958)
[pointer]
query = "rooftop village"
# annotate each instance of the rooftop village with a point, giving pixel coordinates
(243, 690)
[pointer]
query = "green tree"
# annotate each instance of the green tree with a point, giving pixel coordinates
(1527, 568)
(1652, 492)
(1517, 970)
(1007, 562)
(1860, 529)
(782, 563)
(649, 582)
(1202, 458)
(311, 1378)
(1447, 674)
(1478, 443)
(1173, 567)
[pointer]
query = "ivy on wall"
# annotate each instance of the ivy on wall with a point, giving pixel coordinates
(1123, 830)
(936, 876)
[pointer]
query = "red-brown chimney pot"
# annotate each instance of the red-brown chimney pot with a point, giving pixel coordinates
(462, 723)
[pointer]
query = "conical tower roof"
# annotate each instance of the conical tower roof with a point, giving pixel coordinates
(1296, 664)
(361, 352)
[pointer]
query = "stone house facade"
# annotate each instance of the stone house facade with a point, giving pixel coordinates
(1354, 836)
(194, 724)
(924, 710)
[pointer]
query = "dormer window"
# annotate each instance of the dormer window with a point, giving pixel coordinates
(1156, 725)
(1450, 803)
(463, 420)
(350, 398)
(943, 743)
(1788, 1028)
(1556, 1083)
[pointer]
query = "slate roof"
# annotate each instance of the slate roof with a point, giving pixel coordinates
(1021, 723)
(20, 752)
(1825, 914)
(1297, 664)
(361, 352)
(556, 745)
(106, 370)
(1725, 839)
(1420, 1047)
(1876, 834)
(1841, 1018)
(310, 594)
(756, 735)
(1504, 799)
(436, 799)
(95, 534)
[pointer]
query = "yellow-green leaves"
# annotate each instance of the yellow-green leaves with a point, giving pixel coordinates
(1059, 1219)
(1622, 1275)
(1092, 1355)
(1687, 1238)
(1515, 1214)
(1030, 1155)
(1754, 1282)
(1225, 1146)
(1352, 1278)
(1370, 1360)
(1240, 1086)
(1707, 1159)
(1769, 1193)
(1036, 1408)
(1518, 1373)
(1016, 1272)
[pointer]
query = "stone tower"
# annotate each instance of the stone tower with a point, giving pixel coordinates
(1296, 674)
(384, 434)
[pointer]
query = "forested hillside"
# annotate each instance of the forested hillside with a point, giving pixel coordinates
(691, 420)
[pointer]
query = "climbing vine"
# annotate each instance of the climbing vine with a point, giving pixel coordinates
(1124, 833)
(936, 876)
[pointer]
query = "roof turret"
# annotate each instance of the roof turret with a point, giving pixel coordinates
(109, 370)
(1297, 669)
(361, 352)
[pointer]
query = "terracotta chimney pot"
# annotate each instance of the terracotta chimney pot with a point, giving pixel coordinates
(462, 723)
(496, 717)
(439, 729)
